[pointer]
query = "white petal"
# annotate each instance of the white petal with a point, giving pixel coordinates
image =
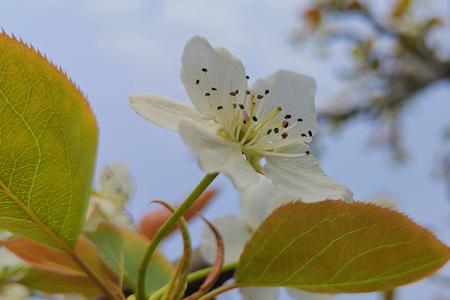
(254, 293)
(295, 94)
(259, 199)
(162, 111)
(302, 295)
(217, 155)
(235, 234)
(302, 176)
(224, 72)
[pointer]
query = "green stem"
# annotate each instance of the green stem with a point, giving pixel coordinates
(164, 230)
(197, 275)
(194, 276)
(220, 290)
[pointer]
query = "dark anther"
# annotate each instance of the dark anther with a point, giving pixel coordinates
(279, 108)
(276, 130)
(197, 81)
(241, 106)
(247, 77)
(236, 92)
(307, 152)
(214, 89)
(234, 105)
(266, 92)
(207, 94)
(245, 122)
(219, 107)
(300, 119)
(269, 131)
(260, 96)
(204, 70)
(247, 92)
(303, 135)
(284, 135)
(232, 94)
(285, 124)
(254, 118)
(287, 117)
(310, 132)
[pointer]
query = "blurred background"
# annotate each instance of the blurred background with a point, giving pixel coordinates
(382, 70)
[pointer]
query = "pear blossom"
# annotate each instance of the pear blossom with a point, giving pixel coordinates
(257, 201)
(108, 201)
(241, 130)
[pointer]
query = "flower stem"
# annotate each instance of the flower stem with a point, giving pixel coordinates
(194, 276)
(200, 274)
(218, 291)
(162, 232)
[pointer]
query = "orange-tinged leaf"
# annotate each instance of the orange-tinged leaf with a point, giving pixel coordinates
(53, 283)
(48, 144)
(334, 246)
(48, 259)
(42, 257)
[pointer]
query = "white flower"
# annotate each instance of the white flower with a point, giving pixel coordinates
(14, 291)
(257, 202)
(116, 182)
(108, 202)
(240, 130)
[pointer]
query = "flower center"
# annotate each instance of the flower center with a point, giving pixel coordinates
(245, 119)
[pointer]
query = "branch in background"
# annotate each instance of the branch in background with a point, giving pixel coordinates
(389, 295)
(384, 79)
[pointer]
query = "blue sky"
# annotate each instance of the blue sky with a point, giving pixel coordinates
(114, 48)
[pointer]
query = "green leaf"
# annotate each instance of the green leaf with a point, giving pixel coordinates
(123, 251)
(54, 283)
(338, 247)
(48, 142)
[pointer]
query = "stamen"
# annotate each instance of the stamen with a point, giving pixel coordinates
(284, 135)
(285, 124)
(247, 77)
(287, 117)
(247, 92)
(207, 94)
(300, 120)
(255, 118)
(276, 130)
(266, 92)
(219, 107)
(214, 89)
(197, 81)
(310, 132)
(204, 70)
(241, 106)
(260, 97)
(268, 118)
(307, 152)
